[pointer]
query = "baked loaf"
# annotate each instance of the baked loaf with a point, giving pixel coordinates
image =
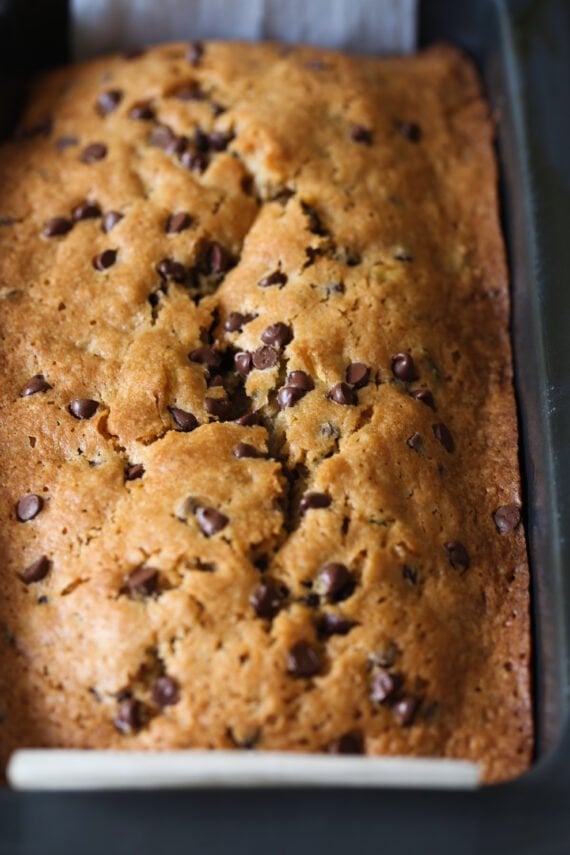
(260, 484)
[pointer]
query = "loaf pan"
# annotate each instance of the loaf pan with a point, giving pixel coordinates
(521, 47)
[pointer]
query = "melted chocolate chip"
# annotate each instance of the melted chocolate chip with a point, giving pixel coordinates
(108, 101)
(83, 408)
(211, 521)
(142, 111)
(300, 380)
(457, 555)
(129, 717)
(348, 743)
(29, 507)
(165, 692)
(219, 141)
(410, 131)
(134, 471)
(275, 278)
(162, 137)
(264, 358)
(66, 142)
(335, 582)
(195, 53)
(105, 259)
(507, 518)
(405, 709)
(425, 396)
(249, 420)
(35, 384)
(267, 598)
(206, 356)
(184, 420)
(56, 227)
(177, 223)
(236, 320)
(415, 442)
(110, 219)
(93, 152)
(312, 501)
(191, 91)
(341, 393)
(303, 660)
(243, 362)
(168, 268)
(443, 435)
(357, 375)
(221, 408)
(36, 571)
(86, 211)
(332, 623)
(143, 580)
(361, 134)
(404, 368)
(217, 259)
(383, 685)
(278, 334)
(244, 449)
(194, 161)
(288, 396)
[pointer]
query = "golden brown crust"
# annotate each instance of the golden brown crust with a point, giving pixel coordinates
(371, 184)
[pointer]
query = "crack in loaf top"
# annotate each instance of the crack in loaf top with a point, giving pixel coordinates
(258, 432)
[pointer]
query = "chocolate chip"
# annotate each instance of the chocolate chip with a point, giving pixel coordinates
(221, 408)
(404, 368)
(410, 574)
(348, 743)
(300, 380)
(194, 161)
(405, 709)
(415, 442)
(219, 141)
(165, 692)
(35, 384)
(457, 555)
(361, 134)
(275, 278)
(56, 227)
(315, 224)
(108, 101)
(43, 600)
(83, 408)
(278, 334)
(177, 223)
(303, 660)
(66, 142)
(195, 53)
(36, 571)
(425, 396)
(206, 356)
(289, 395)
(236, 321)
(332, 623)
(29, 507)
(191, 91)
(507, 518)
(184, 420)
(267, 598)
(211, 521)
(264, 358)
(93, 152)
(443, 435)
(105, 259)
(335, 582)
(129, 716)
(143, 580)
(410, 131)
(249, 420)
(243, 362)
(201, 140)
(162, 137)
(310, 501)
(142, 111)
(134, 471)
(168, 268)
(110, 220)
(218, 259)
(243, 449)
(383, 686)
(86, 211)
(341, 393)
(357, 374)
(312, 601)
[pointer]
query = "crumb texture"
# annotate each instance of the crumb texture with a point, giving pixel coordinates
(260, 485)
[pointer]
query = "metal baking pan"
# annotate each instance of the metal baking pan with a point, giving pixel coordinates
(522, 48)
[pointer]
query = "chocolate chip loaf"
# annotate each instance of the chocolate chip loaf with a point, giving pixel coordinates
(260, 484)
